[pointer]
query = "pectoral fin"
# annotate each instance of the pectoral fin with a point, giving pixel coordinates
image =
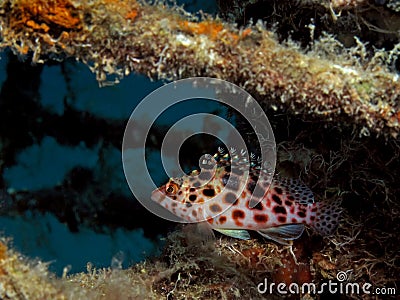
(235, 233)
(199, 234)
(283, 234)
(205, 231)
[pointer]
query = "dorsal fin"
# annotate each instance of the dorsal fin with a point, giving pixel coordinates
(240, 159)
(295, 188)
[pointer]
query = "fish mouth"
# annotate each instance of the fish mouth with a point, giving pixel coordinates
(158, 195)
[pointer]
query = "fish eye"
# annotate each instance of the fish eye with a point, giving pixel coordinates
(172, 188)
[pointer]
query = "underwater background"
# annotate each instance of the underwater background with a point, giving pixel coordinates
(84, 159)
(326, 75)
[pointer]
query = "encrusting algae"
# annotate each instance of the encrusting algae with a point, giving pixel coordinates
(228, 269)
(43, 15)
(115, 38)
(231, 270)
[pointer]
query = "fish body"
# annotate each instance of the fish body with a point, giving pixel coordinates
(226, 199)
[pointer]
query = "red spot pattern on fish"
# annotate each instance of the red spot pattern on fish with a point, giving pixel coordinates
(229, 200)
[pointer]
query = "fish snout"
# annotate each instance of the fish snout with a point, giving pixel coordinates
(158, 195)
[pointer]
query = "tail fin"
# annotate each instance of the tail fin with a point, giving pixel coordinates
(327, 217)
